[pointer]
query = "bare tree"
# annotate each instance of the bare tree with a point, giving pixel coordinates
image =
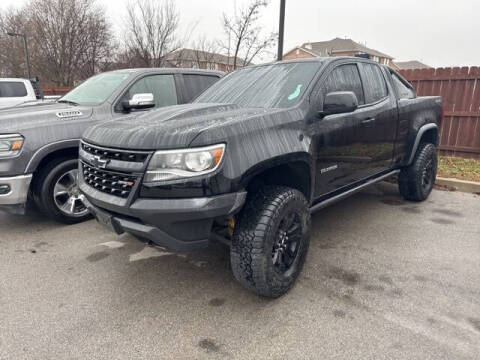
(99, 51)
(152, 27)
(70, 37)
(245, 32)
(12, 59)
(125, 58)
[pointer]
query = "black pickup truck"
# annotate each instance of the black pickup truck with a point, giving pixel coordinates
(254, 155)
(39, 142)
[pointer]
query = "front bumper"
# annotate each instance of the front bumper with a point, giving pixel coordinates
(14, 192)
(176, 224)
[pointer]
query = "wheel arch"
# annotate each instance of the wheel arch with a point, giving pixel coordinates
(427, 133)
(47, 154)
(64, 148)
(292, 170)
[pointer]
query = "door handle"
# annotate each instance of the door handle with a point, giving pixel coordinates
(368, 121)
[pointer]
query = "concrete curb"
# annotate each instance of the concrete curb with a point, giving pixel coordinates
(459, 185)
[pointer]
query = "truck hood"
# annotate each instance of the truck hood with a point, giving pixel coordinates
(28, 116)
(166, 128)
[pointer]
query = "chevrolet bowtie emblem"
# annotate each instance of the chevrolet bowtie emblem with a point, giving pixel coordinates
(99, 162)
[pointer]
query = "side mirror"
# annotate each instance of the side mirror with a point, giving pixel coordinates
(139, 101)
(339, 102)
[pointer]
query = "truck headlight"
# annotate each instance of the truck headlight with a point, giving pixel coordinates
(10, 145)
(168, 165)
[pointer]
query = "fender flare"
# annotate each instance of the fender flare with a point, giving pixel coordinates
(281, 160)
(418, 138)
(38, 156)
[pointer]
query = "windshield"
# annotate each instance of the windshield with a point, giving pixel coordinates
(269, 86)
(95, 90)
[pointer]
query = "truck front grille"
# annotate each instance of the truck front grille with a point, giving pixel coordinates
(114, 183)
(133, 156)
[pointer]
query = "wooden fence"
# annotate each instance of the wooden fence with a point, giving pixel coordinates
(460, 91)
(56, 90)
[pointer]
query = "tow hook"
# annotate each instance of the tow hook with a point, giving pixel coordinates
(231, 226)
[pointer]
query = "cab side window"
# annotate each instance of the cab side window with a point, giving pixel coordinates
(403, 91)
(161, 86)
(345, 78)
(375, 84)
(12, 89)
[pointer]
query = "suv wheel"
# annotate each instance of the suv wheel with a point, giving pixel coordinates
(56, 192)
(270, 240)
(416, 181)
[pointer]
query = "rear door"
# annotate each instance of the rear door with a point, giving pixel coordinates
(192, 85)
(405, 98)
(378, 121)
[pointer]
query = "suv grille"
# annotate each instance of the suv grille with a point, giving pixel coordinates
(117, 155)
(114, 183)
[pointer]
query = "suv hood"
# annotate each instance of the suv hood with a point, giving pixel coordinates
(166, 128)
(28, 116)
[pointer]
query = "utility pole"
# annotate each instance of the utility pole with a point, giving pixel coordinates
(25, 51)
(281, 28)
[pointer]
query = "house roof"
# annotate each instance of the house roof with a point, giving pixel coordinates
(325, 48)
(413, 64)
(198, 55)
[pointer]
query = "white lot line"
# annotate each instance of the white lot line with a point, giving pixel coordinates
(148, 252)
(113, 244)
(151, 252)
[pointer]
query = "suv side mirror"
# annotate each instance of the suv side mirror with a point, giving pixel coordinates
(139, 101)
(339, 102)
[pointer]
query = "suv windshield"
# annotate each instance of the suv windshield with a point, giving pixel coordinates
(268, 86)
(95, 90)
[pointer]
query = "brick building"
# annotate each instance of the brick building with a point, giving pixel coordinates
(198, 59)
(337, 47)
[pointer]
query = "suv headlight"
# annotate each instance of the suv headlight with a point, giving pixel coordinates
(10, 145)
(168, 165)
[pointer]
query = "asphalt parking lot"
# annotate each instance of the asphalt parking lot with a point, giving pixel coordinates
(384, 279)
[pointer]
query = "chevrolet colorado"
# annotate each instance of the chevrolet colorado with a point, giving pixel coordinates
(254, 155)
(39, 142)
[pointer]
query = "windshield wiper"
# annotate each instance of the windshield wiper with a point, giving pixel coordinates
(68, 102)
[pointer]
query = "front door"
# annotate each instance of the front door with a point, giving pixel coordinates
(162, 86)
(340, 158)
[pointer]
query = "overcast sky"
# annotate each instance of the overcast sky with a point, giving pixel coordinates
(437, 32)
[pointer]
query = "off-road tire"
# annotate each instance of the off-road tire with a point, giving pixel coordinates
(255, 233)
(412, 181)
(42, 189)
